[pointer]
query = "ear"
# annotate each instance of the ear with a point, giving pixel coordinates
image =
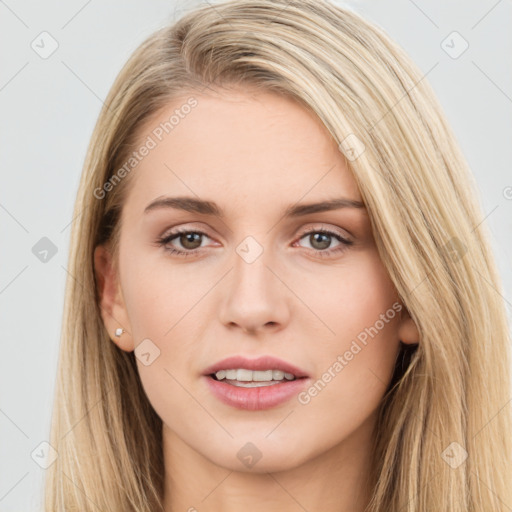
(407, 330)
(113, 310)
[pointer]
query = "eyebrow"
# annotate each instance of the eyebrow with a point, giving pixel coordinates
(193, 205)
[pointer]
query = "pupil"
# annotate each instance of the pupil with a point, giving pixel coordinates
(324, 244)
(189, 239)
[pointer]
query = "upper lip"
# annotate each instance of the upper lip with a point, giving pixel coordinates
(261, 363)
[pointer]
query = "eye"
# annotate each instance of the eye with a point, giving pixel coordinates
(189, 240)
(320, 240)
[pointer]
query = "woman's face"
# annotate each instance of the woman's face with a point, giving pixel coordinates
(254, 281)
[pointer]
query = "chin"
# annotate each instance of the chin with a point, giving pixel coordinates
(259, 457)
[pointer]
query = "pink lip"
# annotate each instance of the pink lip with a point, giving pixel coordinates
(261, 363)
(258, 398)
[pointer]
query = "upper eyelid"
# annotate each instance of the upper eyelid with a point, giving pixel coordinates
(180, 229)
(324, 226)
(191, 226)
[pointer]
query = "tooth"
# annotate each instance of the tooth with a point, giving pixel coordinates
(288, 376)
(221, 374)
(277, 374)
(262, 375)
(244, 375)
(230, 374)
(253, 384)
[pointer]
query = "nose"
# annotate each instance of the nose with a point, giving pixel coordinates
(254, 297)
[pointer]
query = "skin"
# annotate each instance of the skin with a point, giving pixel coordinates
(254, 154)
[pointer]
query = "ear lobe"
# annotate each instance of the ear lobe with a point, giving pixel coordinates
(113, 311)
(407, 331)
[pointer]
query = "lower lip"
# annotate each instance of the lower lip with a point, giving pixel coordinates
(257, 398)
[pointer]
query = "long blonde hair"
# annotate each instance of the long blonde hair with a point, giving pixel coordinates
(442, 440)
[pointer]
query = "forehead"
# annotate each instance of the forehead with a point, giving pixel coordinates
(239, 147)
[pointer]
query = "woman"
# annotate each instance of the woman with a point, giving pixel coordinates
(282, 294)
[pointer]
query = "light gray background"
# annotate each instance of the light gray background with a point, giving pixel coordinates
(49, 107)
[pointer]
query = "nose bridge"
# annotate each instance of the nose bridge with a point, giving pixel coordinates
(250, 273)
(255, 296)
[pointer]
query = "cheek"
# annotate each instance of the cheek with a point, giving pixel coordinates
(159, 294)
(353, 302)
(354, 359)
(352, 379)
(163, 303)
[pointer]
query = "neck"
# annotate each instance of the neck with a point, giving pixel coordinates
(337, 479)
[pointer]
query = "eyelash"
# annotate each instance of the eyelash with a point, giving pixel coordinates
(163, 241)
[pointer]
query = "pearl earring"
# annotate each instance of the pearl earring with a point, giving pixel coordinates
(119, 331)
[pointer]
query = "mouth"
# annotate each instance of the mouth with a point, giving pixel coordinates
(255, 384)
(266, 369)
